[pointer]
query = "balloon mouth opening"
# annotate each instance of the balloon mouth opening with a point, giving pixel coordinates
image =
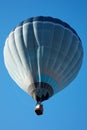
(39, 109)
(40, 91)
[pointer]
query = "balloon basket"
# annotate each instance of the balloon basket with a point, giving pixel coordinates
(39, 109)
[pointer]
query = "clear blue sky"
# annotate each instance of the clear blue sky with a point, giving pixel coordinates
(68, 109)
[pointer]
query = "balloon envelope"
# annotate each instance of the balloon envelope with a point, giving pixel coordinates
(43, 55)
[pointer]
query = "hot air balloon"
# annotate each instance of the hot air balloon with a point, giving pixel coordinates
(43, 55)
